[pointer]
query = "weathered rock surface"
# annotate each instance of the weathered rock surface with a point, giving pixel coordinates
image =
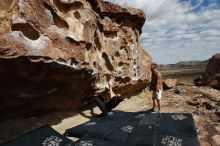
(213, 66)
(169, 83)
(212, 73)
(216, 139)
(57, 53)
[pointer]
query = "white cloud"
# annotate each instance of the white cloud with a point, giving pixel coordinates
(175, 31)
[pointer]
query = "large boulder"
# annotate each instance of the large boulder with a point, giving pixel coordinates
(213, 66)
(54, 54)
(213, 71)
(217, 77)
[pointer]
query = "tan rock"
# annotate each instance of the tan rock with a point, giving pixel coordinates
(203, 133)
(169, 83)
(57, 53)
(218, 128)
(216, 139)
(204, 143)
(196, 119)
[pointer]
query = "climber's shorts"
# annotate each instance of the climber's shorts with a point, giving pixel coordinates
(157, 94)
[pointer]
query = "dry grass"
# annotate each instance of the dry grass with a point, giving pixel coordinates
(182, 74)
(144, 94)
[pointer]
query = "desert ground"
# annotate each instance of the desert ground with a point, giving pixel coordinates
(185, 97)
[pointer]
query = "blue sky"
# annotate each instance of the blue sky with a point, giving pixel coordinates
(179, 30)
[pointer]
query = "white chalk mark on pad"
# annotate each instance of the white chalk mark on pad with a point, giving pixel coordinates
(139, 116)
(52, 141)
(171, 141)
(90, 123)
(127, 128)
(178, 117)
(86, 143)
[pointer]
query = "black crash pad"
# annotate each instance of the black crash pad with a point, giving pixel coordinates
(118, 116)
(150, 119)
(143, 129)
(176, 129)
(91, 141)
(44, 136)
(170, 140)
(180, 118)
(179, 124)
(142, 135)
(102, 129)
(101, 126)
(122, 133)
(97, 128)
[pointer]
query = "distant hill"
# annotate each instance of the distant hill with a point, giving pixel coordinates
(184, 65)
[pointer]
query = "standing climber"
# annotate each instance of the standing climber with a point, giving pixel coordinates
(156, 86)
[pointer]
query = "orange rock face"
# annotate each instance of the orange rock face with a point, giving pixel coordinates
(57, 53)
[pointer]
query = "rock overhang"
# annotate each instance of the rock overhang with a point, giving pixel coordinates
(97, 39)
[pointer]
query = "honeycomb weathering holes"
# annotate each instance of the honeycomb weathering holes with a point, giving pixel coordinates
(28, 30)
